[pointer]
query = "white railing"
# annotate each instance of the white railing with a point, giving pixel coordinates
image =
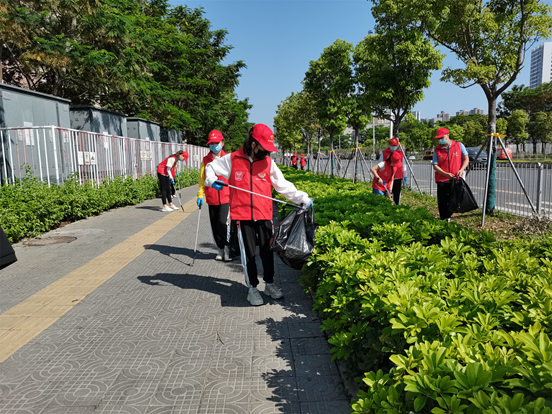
(54, 154)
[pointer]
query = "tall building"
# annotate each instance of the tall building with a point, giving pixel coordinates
(416, 115)
(462, 112)
(541, 65)
(444, 116)
(476, 111)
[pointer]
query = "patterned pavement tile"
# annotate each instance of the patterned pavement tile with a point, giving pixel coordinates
(120, 409)
(81, 393)
(310, 346)
(275, 389)
(325, 407)
(276, 408)
(273, 366)
(30, 395)
(314, 365)
(219, 392)
(230, 367)
(130, 392)
(225, 408)
(180, 392)
(305, 329)
(233, 348)
(268, 346)
(57, 370)
(86, 409)
(195, 347)
(187, 367)
(320, 388)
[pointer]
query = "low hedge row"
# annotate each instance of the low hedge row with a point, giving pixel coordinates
(31, 208)
(430, 316)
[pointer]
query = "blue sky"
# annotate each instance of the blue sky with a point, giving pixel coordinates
(278, 38)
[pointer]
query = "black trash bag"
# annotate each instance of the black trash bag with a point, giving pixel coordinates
(234, 243)
(293, 240)
(461, 197)
(7, 254)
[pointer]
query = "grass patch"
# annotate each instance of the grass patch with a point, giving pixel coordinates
(502, 225)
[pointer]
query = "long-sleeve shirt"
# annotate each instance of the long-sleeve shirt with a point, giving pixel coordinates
(201, 192)
(223, 167)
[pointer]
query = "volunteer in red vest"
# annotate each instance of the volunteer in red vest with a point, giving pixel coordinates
(450, 159)
(166, 175)
(384, 175)
(294, 160)
(400, 174)
(302, 161)
(250, 168)
(218, 201)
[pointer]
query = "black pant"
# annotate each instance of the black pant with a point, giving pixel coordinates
(165, 185)
(219, 224)
(397, 184)
(443, 199)
(251, 234)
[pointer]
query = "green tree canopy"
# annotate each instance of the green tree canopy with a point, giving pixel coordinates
(540, 129)
(517, 123)
(140, 57)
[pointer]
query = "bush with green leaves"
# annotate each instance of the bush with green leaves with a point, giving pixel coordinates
(31, 208)
(430, 316)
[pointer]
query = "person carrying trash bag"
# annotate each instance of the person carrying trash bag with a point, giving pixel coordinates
(302, 162)
(400, 174)
(294, 160)
(218, 201)
(166, 174)
(384, 175)
(251, 169)
(450, 160)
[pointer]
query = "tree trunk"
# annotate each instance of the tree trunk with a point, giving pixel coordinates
(331, 157)
(491, 129)
(356, 156)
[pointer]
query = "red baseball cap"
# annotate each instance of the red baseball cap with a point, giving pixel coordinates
(264, 136)
(394, 142)
(395, 158)
(441, 132)
(215, 137)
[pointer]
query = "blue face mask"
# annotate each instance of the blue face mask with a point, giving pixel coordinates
(443, 141)
(215, 149)
(393, 148)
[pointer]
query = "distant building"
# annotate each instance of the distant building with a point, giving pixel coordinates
(431, 121)
(541, 65)
(478, 111)
(462, 112)
(444, 116)
(416, 115)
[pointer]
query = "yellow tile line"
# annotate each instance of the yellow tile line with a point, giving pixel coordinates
(25, 321)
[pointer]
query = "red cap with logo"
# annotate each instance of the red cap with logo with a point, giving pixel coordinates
(394, 142)
(441, 132)
(215, 137)
(264, 136)
(395, 158)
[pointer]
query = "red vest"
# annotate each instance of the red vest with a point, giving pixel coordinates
(303, 161)
(294, 159)
(386, 175)
(162, 167)
(400, 171)
(214, 197)
(252, 176)
(450, 162)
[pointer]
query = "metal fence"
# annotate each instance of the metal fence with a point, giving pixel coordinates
(54, 154)
(510, 197)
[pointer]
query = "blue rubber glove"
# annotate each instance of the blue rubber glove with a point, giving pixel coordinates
(405, 180)
(177, 174)
(172, 180)
(199, 202)
(217, 185)
(310, 203)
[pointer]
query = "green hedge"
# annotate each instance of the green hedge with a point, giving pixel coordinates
(31, 208)
(430, 316)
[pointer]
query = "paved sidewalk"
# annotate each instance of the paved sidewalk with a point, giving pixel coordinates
(160, 336)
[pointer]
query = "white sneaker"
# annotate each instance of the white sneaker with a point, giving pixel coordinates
(168, 209)
(226, 254)
(273, 291)
(219, 255)
(254, 298)
(173, 207)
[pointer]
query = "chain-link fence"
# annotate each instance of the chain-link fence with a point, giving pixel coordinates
(54, 154)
